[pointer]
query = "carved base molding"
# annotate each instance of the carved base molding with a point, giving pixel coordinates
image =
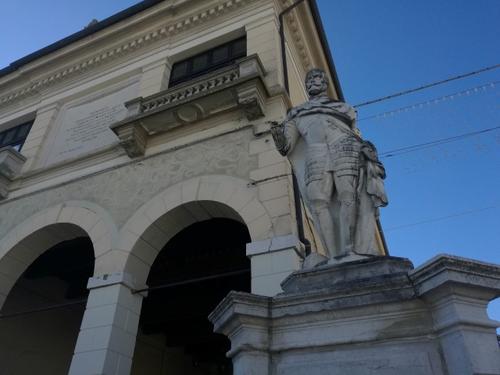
(375, 316)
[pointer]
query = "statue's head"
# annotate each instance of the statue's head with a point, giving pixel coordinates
(316, 82)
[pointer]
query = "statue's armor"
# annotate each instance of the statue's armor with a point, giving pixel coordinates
(317, 162)
(332, 146)
(344, 154)
(342, 175)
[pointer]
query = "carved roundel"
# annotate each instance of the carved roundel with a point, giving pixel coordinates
(189, 113)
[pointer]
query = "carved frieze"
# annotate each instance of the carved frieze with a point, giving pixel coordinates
(35, 86)
(121, 191)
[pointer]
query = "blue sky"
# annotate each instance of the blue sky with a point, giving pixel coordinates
(442, 199)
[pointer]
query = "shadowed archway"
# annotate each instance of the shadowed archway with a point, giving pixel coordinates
(43, 309)
(191, 274)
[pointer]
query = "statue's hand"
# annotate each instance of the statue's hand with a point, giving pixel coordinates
(278, 133)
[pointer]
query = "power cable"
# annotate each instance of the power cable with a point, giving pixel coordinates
(421, 146)
(436, 100)
(43, 309)
(426, 86)
(457, 214)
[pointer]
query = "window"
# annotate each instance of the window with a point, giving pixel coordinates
(15, 136)
(207, 61)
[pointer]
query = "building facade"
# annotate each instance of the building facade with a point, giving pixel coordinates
(139, 184)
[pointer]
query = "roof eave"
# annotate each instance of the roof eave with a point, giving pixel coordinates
(115, 18)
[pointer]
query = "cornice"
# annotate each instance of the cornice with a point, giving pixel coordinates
(305, 30)
(297, 34)
(300, 42)
(121, 50)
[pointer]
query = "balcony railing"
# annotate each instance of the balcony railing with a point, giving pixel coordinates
(236, 87)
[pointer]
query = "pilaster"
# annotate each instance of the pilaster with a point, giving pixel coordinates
(458, 291)
(155, 77)
(45, 117)
(272, 177)
(263, 39)
(244, 318)
(106, 342)
(272, 260)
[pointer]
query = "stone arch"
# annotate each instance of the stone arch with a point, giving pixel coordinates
(22, 245)
(189, 201)
(494, 309)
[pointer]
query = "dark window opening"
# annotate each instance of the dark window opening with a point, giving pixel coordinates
(15, 136)
(208, 61)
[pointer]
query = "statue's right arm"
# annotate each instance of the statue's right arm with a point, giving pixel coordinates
(285, 136)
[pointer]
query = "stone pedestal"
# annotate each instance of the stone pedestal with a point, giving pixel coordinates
(377, 316)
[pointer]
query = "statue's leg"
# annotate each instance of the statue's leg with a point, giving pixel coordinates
(345, 187)
(319, 194)
(325, 227)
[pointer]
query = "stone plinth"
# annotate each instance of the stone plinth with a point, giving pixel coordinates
(377, 316)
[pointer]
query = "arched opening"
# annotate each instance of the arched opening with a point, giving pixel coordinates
(192, 273)
(42, 313)
(494, 313)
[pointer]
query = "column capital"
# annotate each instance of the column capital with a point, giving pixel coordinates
(273, 244)
(165, 61)
(434, 278)
(110, 279)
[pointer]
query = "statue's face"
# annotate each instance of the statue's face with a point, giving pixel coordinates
(316, 84)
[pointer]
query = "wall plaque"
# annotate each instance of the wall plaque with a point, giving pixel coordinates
(84, 127)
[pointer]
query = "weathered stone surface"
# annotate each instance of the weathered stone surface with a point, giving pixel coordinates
(227, 155)
(375, 316)
(82, 126)
(352, 275)
(313, 260)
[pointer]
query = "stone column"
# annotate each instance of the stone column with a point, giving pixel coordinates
(263, 39)
(44, 119)
(458, 291)
(244, 319)
(106, 342)
(272, 260)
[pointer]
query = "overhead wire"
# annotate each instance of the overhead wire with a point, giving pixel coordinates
(426, 86)
(437, 142)
(432, 220)
(434, 143)
(436, 100)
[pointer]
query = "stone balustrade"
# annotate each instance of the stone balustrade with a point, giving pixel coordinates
(236, 87)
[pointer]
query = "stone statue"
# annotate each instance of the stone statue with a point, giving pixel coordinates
(340, 176)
